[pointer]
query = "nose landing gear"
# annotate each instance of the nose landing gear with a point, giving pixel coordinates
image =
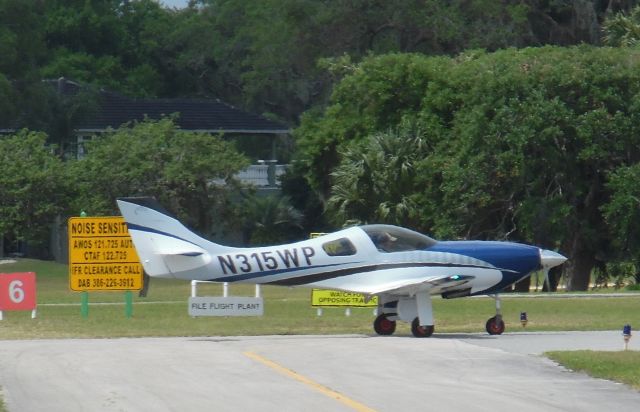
(495, 325)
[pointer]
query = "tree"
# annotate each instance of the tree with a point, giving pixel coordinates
(34, 188)
(269, 219)
(622, 30)
(190, 173)
(22, 44)
(262, 55)
(622, 213)
(23, 101)
(521, 141)
(534, 147)
(376, 180)
(121, 51)
(377, 95)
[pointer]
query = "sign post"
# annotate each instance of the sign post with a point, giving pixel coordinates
(626, 334)
(128, 304)
(102, 258)
(84, 304)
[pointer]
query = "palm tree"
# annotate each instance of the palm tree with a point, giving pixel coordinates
(622, 30)
(375, 182)
(270, 219)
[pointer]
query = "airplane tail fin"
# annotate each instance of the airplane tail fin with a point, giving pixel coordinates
(164, 245)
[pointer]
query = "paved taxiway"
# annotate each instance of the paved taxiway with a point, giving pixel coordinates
(313, 373)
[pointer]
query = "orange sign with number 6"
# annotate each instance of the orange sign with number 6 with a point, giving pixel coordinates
(18, 291)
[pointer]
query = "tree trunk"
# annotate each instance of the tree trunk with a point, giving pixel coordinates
(579, 266)
(554, 278)
(523, 285)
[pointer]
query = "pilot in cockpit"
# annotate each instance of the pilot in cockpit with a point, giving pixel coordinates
(384, 242)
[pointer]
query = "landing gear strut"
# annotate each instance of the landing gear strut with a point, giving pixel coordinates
(416, 309)
(495, 325)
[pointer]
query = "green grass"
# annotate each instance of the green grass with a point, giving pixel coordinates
(623, 366)
(287, 311)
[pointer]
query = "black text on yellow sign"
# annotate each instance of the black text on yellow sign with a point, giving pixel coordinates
(334, 298)
(102, 255)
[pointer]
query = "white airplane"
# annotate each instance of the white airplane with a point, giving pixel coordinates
(402, 267)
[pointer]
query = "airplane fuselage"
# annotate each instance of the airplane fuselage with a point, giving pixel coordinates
(490, 265)
(402, 267)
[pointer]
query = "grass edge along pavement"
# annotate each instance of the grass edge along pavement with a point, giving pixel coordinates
(620, 366)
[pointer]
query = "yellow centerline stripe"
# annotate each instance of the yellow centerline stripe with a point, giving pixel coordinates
(315, 385)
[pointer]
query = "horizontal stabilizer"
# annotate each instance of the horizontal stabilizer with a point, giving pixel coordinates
(175, 247)
(165, 246)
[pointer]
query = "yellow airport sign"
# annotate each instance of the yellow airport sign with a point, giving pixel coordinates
(334, 298)
(102, 255)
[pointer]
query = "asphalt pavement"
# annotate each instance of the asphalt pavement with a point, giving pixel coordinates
(448, 372)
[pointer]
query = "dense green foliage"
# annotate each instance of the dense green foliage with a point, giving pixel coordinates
(267, 220)
(623, 30)
(260, 54)
(156, 159)
(622, 215)
(410, 112)
(152, 158)
(33, 187)
(519, 144)
(383, 174)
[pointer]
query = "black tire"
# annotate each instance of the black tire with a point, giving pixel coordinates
(421, 331)
(383, 326)
(495, 327)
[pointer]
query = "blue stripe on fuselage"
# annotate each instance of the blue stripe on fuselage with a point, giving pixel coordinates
(265, 273)
(133, 226)
(515, 260)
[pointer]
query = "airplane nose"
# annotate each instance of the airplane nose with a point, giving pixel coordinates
(549, 258)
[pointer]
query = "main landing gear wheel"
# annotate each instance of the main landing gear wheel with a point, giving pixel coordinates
(421, 331)
(495, 326)
(383, 326)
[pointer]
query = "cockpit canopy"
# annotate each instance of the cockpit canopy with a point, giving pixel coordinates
(389, 238)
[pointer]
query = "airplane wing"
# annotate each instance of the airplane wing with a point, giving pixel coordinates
(410, 287)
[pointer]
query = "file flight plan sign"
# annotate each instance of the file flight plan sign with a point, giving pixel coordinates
(102, 255)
